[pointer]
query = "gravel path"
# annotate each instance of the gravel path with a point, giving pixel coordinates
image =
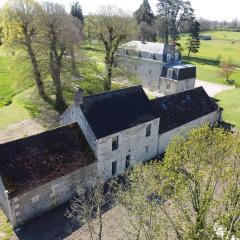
(20, 130)
(212, 89)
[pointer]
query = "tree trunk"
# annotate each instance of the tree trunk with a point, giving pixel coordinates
(107, 83)
(55, 67)
(36, 72)
(73, 62)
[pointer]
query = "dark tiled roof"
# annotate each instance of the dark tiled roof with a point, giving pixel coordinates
(111, 112)
(181, 73)
(30, 162)
(183, 107)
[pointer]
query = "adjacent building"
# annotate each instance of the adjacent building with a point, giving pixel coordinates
(157, 66)
(102, 136)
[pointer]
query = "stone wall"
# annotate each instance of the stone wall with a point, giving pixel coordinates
(132, 142)
(74, 114)
(166, 138)
(4, 202)
(46, 197)
(145, 70)
(186, 84)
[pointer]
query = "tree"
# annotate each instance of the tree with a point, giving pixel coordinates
(89, 205)
(145, 19)
(195, 188)
(76, 11)
(60, 32)
(193, 43)
(172, 14)
(227, 68)
(21, 20)
(113, 26)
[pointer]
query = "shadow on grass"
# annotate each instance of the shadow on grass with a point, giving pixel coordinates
(94, 49)
(227, 126)
(202, 61)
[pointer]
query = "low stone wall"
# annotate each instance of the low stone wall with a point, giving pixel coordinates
(46, 197)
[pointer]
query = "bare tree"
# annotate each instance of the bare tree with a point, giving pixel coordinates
(21, 19)
(226, 69)
(60, 31)
(113, 26)
(88, 208)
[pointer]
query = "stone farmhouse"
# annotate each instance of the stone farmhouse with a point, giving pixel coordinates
(158, 66)
(101, 135)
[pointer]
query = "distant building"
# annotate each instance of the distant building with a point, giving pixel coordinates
(205, 37)
(158, 66)
(113, 131)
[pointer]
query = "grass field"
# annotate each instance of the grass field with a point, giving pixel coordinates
(223, 46)
(230, 101)
(6, 231)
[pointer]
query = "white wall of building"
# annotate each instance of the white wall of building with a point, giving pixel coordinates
(166, 138)
(132, 141)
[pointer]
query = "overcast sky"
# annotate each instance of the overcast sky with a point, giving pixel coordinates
(210, 9)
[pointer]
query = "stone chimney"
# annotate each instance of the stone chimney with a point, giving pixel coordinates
(78, 99)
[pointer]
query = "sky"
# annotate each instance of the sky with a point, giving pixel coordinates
(210, 9)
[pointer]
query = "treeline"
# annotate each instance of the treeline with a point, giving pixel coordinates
(192, 194)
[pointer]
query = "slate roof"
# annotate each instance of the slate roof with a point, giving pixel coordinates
(149, 47)
(179, 71)
(183, 107)
(30, 162)
(111, 112)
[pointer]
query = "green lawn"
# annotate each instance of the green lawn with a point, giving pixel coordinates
(221, 47)
(230, 101)
(6, 231)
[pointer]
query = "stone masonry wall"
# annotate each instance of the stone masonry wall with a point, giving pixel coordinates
(145, 70)
(44, 198)
(4, 202)
(132, 142)
(166, 138)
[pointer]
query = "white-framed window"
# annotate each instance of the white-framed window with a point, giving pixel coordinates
(169, 57)
(168, 86)
(176, 56)
(35, 198)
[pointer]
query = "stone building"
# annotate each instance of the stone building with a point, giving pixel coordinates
(43, 171)
(103, 136)
(158, 66)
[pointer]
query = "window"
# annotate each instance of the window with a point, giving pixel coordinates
(168, 86)
(169, 57)
(127, 164)
(148, 130)
(35, 198)
(114, 168)
(176, 56)
(114, 143)
(146, 149)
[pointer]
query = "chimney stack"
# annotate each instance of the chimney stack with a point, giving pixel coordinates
(78, 96)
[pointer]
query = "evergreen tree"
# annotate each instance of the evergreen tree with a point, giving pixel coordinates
(144, 13)
(76, 11)
(145, 19)
(193, 43)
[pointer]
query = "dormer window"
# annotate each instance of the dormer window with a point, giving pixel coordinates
(115, 143)
(176, 56)
(169, 57)
(148, 130)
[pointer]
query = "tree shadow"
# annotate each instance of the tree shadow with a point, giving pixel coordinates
(202, 61)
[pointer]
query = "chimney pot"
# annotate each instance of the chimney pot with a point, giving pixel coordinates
(78, 96)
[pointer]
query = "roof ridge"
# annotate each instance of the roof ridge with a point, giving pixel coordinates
(114, 91)
(38, 134)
